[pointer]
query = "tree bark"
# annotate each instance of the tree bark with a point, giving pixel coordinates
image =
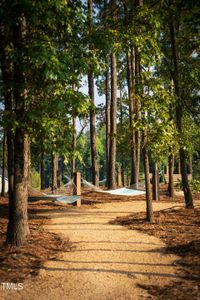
(149, 207)
(123, 173)
(155, 183)
(7, 78)
(3, 165)
(95, 169)
(113, 124)
(107, 120)
(74, 147)
(135, 55)
(107, 94)
(55, 171)
(134, 178)
(42, 170)
(18, 229)
(179, 116)
(171, 176)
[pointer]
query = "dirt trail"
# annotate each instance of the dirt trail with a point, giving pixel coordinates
(106, 262)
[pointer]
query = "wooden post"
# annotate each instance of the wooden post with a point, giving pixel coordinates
(167, 170)
(125, 180)
(77, 191)
(119, 178)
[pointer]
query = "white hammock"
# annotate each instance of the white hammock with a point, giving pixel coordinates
(125, 192)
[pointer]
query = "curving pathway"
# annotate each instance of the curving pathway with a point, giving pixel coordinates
(107, 262)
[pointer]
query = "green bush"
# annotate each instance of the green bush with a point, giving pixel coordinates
(194, 185)
(34, 180)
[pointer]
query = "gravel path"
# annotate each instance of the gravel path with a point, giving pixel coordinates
(107, 261)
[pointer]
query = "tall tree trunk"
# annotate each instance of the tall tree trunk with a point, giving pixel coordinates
(136, 73)
(107, 93)
(113, 110)
(123, 173)
(107, 120)
(55, 171)
(149, 207)
(131, 119)
(3, 165)
(179, 116)
(95, 169)
(74, 147)
(171, 176)
(113, 124)
(18, 228)
(121, 128)
(155, 183)
(42, 170)
(7, 77)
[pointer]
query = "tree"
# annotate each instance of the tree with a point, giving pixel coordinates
(113, 112)
(179, 43)
(95, 171)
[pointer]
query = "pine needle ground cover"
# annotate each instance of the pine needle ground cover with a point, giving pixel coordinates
(179, 228)
(18, 264)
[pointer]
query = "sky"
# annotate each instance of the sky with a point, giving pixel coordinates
(98, 99)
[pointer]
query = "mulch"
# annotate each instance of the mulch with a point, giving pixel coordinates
(179, 228)
(18, 264)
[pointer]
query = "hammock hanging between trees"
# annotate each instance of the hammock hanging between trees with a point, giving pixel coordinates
(68, 198)
(120, 192)
(125, 192)
(70, 189)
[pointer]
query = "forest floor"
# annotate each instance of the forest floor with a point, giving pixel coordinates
(105, 250)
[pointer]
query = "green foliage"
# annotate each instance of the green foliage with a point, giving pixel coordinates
(60, 49)
(194, 185)
(34, 179)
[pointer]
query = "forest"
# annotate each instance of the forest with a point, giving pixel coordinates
(140, 57)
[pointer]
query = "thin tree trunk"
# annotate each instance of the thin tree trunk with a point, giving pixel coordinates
(113, 124)
(95, 169)
(178, 166)
(42, 170)
(179, 116)
(7, 77)
(121, 126)
(123, 173)
(54, 185)
(171, 176)
(137, 109)
(136, 75)
(74, 147)
(3, 165)
(149, 207)
(107, 121)
(155, 185)
(131, 119)
(107, 94)
(136, 71)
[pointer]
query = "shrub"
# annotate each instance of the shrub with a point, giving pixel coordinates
(194, 185)
(34, 179)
